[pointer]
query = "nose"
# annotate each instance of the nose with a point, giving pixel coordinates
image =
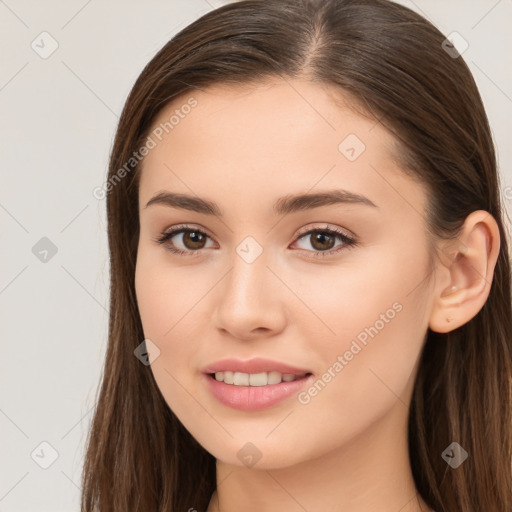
(248, 300)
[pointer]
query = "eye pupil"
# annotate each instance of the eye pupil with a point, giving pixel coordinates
(193, 237)
(319, 237)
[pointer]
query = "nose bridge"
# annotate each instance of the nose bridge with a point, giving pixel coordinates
(249, 274)
(245, 302)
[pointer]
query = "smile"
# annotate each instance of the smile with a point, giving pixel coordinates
(243, 395)
(255, 379)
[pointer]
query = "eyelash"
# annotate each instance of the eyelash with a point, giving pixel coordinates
(348, 242)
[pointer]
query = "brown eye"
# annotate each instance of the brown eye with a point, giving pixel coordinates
(193, 240)
(322, 241)
(190, 242)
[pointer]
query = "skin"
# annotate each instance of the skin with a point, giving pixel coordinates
(243, 147)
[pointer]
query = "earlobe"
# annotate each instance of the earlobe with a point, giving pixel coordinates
(470, 274)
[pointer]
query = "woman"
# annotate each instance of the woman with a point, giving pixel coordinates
(310, 283)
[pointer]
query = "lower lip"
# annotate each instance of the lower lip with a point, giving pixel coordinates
(254, 398)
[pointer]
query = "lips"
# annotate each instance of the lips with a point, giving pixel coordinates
(256, 365)
(241, 384)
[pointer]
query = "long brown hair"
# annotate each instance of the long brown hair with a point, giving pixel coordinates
(139, 456)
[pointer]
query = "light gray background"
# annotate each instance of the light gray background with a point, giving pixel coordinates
(58, 118)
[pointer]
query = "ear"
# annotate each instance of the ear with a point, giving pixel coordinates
(465, 281)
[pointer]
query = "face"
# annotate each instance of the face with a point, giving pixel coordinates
(333, 287)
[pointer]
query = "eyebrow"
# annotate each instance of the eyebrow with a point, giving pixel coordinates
(282, 206)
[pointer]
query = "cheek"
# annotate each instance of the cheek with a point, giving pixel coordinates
(165, 293)
(363, 293)
(169, 303)
(376, 312)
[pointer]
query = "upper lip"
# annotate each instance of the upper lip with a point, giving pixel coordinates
(256, 365)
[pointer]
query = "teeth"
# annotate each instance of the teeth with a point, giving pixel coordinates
(255, 379)
(274, 377)
(258, 379)
(241, 379)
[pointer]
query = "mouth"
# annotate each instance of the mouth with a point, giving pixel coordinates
(255, 391)
(256, 379)
(254, 384)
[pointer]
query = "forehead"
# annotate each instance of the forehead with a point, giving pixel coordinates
(300, 107)
(260, 140)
